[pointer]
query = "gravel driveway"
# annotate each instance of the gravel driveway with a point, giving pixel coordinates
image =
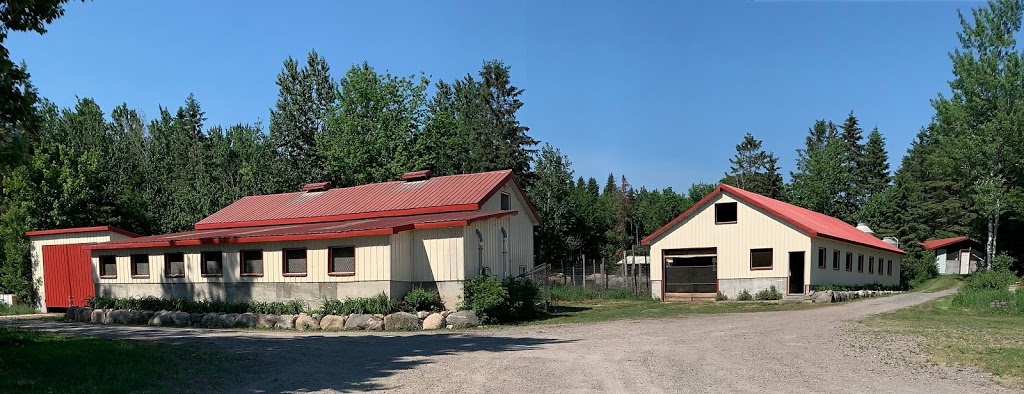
(820, 350)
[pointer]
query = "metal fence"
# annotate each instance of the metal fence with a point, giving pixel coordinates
(594, 274)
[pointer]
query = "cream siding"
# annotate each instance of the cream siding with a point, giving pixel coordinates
(754, 229)
(437, 254)
(520, 228)
(830, 276)
(37, 243)
(501, 263)
(401, 256)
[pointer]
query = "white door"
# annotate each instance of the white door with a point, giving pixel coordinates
(965, 261)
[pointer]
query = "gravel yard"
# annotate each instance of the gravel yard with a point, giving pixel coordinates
(820, 350)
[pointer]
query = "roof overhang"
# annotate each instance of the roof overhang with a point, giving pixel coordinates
(76, 230)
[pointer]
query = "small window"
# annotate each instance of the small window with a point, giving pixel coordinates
(835, 260)
(174, 265)
(295, 262)
(140, 266)
(211, 264)
(252, 262)
(343, 261)
(522, 270)
(761, 259)
(849, 261)
(860, 263)
(108, 266)
(506, 202)
(889, 268)
(822, 255)
(871, 265)
(725, 213)
(880, 266)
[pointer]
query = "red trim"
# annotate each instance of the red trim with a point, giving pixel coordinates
(330, 261)
(417, 175)
(933, 244)
(101, 271)
(202, 264)
(284, 262)
(134, 271)
(519, 187)
(167, 265)
(241, 263)
(335, 218)
(316, 187)
(771, 267)
(647, 240)
(209, 241)
(74, 230)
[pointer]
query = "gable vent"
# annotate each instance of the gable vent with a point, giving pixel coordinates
(317, 187)
(417, 176)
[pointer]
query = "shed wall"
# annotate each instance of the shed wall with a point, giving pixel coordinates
(519, 228)
(830, 276)
(37, 243)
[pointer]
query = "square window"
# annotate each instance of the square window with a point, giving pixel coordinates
(252, 262)
(295, 262)
(860, 263)
(835, 260)
(343, 261)
(761, 259)
(211, 264)
(849, 261)
(871, 265)
(725, 213)
(174, 265)
(506, 202)
(140, 266)
(108, 266)
(522, 270)
(822, 253)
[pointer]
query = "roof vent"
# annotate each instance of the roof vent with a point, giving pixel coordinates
(316, 187)
(892, 241)
(417, 176)
(863, 227)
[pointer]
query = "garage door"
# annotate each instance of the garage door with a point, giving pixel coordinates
(691, 270)
(67, 275)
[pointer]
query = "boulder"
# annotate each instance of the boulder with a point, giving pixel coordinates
(266, 321)
(144, 316)
(120, 316)
(822, 296)
(97, 316)
(228, 319)
(357, 322)
(246, 320)
(211, 320)
(195, 319)
(70, 313)
(83, 314)
(403, 321)
(332, 323)
(463, 319)
(162, 318)
(306, 322)
(180, 319)
(375, 324)
(446, 313)
(435, 321)
(422, 314)
(286, 322)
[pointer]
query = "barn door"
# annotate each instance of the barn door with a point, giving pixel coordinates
(67, 275)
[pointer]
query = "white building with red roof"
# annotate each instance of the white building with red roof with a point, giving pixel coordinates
(735, 240)
(315, 243)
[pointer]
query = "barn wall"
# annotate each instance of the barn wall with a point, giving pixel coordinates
(831, 276)
(37, 243)
(519, 227)
(501, 263)
(437, 254)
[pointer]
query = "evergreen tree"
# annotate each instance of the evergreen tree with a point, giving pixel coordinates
(855, 194)
(512, 146)
(875, 166)
(306, 97)
(557, 239)
(823, 174)
(754, 170)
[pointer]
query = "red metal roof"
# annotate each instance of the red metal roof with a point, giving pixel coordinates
(454, 193)
(305, 231)
(81, 230)
(812, 223)
(933, 244)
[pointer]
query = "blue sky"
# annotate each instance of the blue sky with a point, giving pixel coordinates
(658, 91)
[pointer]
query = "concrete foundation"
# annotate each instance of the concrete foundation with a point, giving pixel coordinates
(732, 287)
(313, 293)
(656, 290)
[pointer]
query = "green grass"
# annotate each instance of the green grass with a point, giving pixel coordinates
(605, 310)
(41, 362)
(578, 294)
(6, 310)
(939, 283)
(964, 336)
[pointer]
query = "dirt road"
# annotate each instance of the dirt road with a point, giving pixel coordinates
(810, 351)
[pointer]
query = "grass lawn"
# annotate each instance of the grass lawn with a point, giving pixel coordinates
(939, 283)
(41, 362)
(6, 309)
(958, 336)
(603, 310)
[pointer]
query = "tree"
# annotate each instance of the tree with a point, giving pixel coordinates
(755, 170)
(823, 174)
(875, 165)
(854, 156)
(512, 145)
(306, 97)
(557, 238)
(698, 191)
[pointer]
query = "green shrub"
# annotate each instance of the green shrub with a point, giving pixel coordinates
(985, 280)
(420, 299)
(378, 304)
(151, 303)
(721, 297)
(982, 300)
(485, 296)
(918, 267)
(578, 294)
(1003, 262)
(770, 293)
(744, 296)
(523, 296)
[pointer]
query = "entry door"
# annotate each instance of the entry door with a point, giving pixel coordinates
(67, 275)
(796, 272)
(965, 261)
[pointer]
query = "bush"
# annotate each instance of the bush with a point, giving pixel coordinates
(378, 304)
(918, 267)
(420, 299)
(151, 303)
(721, 297)
(988, 280)
(485, 296)
(770, 293)
(1003, 262)
(982, 300)
(523, 296)
(744, 296)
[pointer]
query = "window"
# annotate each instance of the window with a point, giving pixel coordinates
(860, 263)
(522, 270)
(108, 266)
(294, 262)
(880, 266)
(140, 266)
(761, 259)
(889, 269)
(725, 213)
(835, 260)
(251, 262)
(506, 202)
(871, 265)
(174, 265)
(211, 264)
(343, 261)
(822, 253)
(849, 261)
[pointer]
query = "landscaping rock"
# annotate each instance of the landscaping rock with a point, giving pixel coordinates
(332, 323)
(211, 320)
(83, 314)
(160, 319)
(286, 322)
(422, 314)
(70, 313)
(97, 316)
(375, 324)
(403, 321)
(266, 321)
(228, 319)
(144, 316)
(446, 313)
(180, 319)
(357, 322)
(246, 320)
(196, 319)
(306, 322)
(120, 316)
(822, 296)
(463, 319)
(435, 321)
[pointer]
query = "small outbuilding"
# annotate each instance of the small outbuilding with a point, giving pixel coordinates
(735, 240)
(319, 242)
(956, 255)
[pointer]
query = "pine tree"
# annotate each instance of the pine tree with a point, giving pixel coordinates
(557, 238)
(306, 97)
(823, 175)
(875, 170)
(855, 194)
(510, 139)
(755, 170)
